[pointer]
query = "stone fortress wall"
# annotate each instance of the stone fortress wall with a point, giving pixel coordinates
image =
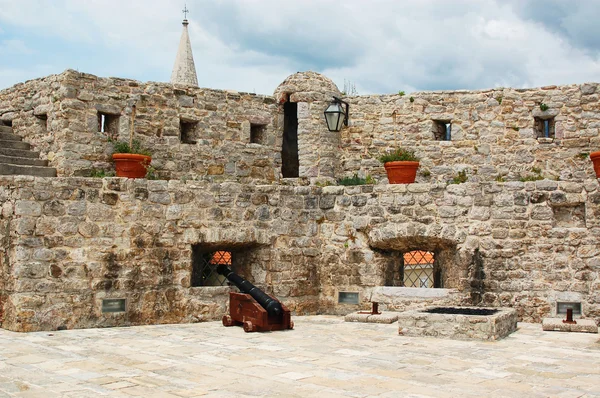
(69, 242)
(217, 147)
(493, 132)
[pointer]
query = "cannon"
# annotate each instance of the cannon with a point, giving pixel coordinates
(252, 308)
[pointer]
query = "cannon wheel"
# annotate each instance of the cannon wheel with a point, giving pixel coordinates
(227, 321)
(248, 327)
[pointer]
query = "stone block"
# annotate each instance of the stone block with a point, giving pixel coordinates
(557, 325)
(28, 208)
(303, 110)
(383, 317)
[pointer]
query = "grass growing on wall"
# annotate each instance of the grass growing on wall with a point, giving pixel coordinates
(356, 180)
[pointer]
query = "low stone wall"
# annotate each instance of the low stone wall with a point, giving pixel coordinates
(456, 326)
(69, 242)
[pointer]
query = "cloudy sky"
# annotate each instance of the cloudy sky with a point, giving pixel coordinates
(382, 46)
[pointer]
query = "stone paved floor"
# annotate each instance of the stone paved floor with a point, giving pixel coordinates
(322, 357)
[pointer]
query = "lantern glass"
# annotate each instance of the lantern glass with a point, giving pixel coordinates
(334, 116)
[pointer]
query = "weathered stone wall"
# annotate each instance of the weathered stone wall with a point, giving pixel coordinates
(492, 133)
(31, 108)
(67, 243)
(74, 241)
(493, 137)
(219, 147)
(4, 244)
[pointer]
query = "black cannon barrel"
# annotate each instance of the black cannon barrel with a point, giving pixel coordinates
(272, 306)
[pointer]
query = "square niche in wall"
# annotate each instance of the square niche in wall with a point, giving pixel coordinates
(188, 131)
(258, 133)
(108, 123)
(544, 127)
(442, 130)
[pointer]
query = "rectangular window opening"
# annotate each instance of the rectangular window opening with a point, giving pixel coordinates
(418, 269)
(108, 124)
(113, 305)
(544, 127)
(290, 161)
(42, 121)
(258, 133)
(442, 130)
(204, 266)
(188, 133)
(7, 123)
(347, 298)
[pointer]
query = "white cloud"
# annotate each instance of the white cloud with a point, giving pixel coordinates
(382, 45)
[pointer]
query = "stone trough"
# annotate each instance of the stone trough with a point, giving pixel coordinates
(459, 322)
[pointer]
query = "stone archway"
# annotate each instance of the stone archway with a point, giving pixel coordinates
(309, 149)
(250, 250)
(392, 241)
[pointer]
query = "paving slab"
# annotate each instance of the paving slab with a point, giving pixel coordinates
(323, 356)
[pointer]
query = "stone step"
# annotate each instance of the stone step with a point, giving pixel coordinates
(6, 129)
(21, 153)
(9, 137)
(14, 145)
(23, 161)
(12, 169)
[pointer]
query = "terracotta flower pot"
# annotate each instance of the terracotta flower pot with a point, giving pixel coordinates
(401, 172)
(131, 165)
(595, 156)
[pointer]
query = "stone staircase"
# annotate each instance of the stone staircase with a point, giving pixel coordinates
(16, 158)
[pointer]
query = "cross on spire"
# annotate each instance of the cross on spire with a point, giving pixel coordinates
(185, 11)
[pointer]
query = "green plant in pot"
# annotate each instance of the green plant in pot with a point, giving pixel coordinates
(401, 165)
(131, 160)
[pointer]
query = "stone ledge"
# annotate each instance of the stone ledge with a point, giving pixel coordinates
(384, 317)
(557, 325)
(386, 294)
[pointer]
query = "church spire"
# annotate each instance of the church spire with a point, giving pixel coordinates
(184, 70)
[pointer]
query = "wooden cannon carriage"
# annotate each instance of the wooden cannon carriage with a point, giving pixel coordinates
(255, 310)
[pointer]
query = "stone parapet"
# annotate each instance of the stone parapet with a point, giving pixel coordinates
(192, 133)
(216, 135)
(493, 133)
(69, 242)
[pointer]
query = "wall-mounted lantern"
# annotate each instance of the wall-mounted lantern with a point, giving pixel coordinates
(335, 115)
